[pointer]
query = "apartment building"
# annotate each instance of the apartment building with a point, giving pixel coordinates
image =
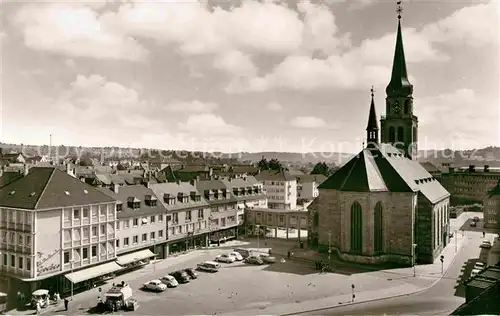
(248, 192)
(188, 215)
(141, 227)
(223, 209)
(280, 188)
(54, 230)
(492, 208)
(307, 186)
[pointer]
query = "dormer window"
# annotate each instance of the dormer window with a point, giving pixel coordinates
(235, 191)
(192, 195)
(249, 190)
(133, 203)
(119, 207)
(166, 198)
(180, 197)
(151, 200)
(224, 193)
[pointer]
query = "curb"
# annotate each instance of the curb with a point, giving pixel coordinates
(381, 298)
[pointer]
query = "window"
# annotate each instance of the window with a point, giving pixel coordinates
(356, 228)
(160, 218)
(94, 231)
(144, 237)
(76, 214)
(93, 251)
(175, 217)
(5, 259)
(20, 240)
(152, 235)
(117, 243)
(201, 214)
(392, 134)
(188, 215)
(28, 241)
(126, 224)
(85, 213)
(144, 221)
(119, 207)
(316, 219)
(136, 222)
(401, 134)
(12, 260)
(103, 229)
(378, 228)
(28, 264)
(20, 262)
(85, 254)
(125, 242)
(86, 232)
(160, 234)
(135, 239)
(152, 219)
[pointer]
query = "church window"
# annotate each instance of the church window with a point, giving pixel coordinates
(414, 134)
(401, 134)
(407, 107)
(378, 228)
(392, 134)
(316, 219)
(356, 228)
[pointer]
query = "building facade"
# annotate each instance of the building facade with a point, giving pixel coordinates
(51, 225)
(187, 214)
(382, 205)
(492, 208)
(280, 188)
(307, 186)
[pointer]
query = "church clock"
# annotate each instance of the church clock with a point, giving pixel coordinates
(397, 107)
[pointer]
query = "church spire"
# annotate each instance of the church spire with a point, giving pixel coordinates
(399, 85)
(372, 128)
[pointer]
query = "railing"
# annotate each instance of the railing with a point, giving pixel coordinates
(15, 271)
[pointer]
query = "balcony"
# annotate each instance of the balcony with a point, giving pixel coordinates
(15, 271)
(25, 228)
(15, 249)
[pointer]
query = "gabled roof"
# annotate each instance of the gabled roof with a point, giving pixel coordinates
(277, 175)
(385, 168)
(172, 188)
(134, 192)
(48, 188)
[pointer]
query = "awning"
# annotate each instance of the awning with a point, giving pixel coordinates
(93, 272)
(134, 256)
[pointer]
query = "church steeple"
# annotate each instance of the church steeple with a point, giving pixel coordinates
(372, 127)
(399, 86)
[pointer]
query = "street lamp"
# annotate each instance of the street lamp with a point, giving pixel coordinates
(442, 262)
(258, 237)
(413, 261)
(329, 245)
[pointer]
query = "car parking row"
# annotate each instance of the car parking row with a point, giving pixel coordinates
(172, 280)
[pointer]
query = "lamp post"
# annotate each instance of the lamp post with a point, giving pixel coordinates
(258, 237)
(353, 295)
(413, 261)
(442, 262)
(329, 246)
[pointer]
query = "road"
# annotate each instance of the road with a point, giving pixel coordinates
(440, 299)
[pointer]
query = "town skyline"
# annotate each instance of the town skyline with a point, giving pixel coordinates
(113, 80)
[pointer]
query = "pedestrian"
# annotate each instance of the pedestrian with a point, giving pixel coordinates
(66, 303)
(484, 234)
(288, 254)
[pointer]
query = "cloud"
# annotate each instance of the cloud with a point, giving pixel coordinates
(194, 106)
(308, 122)
(207, 123)
(459, 119)
(274, 106)
(361, 4)
(76, 31)
(236, 64)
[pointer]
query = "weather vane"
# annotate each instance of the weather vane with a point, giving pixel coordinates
(399, 9)
(372, 91)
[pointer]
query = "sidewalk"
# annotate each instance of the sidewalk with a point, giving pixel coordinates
(159, 265)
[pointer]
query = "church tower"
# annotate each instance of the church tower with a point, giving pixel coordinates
(400, 127)
(372, 127)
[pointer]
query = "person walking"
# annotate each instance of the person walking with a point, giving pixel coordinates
(66, 303)
(484, 234)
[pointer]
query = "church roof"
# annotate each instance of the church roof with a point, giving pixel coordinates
(399, 84)
(385, 168)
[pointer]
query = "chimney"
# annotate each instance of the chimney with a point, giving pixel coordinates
(115, 188)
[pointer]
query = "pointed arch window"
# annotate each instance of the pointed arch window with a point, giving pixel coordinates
(407, 107)
(415, 134)
(401, 134)
(316, 219)
(392, 134)
(378, 228)
(356, 228)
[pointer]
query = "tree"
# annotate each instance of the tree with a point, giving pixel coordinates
(263, 164)
(85, 162)
(120, 167)
(321, 168)
(273, 164)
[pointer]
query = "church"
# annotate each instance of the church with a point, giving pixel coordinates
(382, 205)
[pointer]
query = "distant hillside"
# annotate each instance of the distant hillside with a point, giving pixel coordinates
(315, 157)
(483, 156)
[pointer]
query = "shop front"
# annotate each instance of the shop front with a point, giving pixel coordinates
(223, 235)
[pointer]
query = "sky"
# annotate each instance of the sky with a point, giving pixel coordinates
(243, 75)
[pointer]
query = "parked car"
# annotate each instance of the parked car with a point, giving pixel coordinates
(208, 266)
(473, 224)
(181, 276)
(236, 255)
(243, 252)
(474, 272)
(191, 273)
(476, 219)
(169, 281)
(155, 285)
(254, 260)
(267, 258)
(485, 244)
(225, 258)
(479, 265)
